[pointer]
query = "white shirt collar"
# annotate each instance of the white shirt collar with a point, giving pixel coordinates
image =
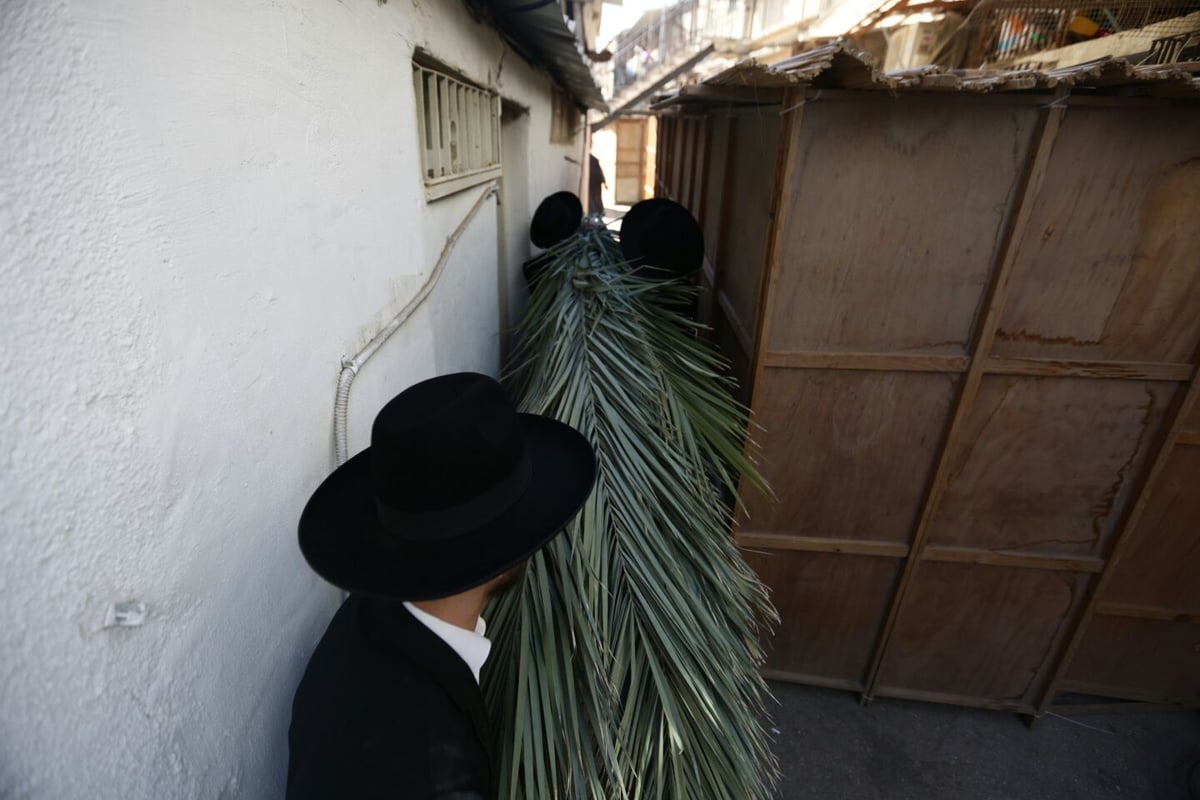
(471, 646)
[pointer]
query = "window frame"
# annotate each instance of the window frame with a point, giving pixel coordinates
(471, 153)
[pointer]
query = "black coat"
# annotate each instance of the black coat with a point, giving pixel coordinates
(387, 709)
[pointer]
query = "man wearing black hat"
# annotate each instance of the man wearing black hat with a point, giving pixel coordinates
(455, 492)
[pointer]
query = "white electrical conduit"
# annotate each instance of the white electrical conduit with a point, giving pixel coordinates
(351, 366)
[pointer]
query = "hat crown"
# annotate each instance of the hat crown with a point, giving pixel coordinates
(443, 442)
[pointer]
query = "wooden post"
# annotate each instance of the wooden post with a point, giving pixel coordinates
(785, 174)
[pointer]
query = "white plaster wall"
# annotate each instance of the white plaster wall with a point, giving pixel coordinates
(205, 204)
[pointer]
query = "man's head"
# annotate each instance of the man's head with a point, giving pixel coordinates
(456, 490)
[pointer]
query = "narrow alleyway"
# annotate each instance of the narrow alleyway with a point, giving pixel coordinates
(830, 747)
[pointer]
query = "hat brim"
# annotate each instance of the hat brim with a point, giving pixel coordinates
(344, 542)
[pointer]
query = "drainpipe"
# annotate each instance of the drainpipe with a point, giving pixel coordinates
(351, 366)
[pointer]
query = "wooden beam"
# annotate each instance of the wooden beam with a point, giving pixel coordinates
(911, 96)
(1123, 693)
(761, 95)
(1147, 612)
(949, 698)
(818, 544)
(886, 362)
(1089, 369)
(1188, 438)
(1140, 499)
(1115, 706)
(787, 172)
(811, 680)
(1012, 558)
(1037, 163)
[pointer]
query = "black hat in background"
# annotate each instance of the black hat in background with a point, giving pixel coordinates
(456, 488)
(557, 217)
(661, 239)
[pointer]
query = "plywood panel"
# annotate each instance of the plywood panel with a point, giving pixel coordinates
(753, 172)
(980, 632)
(830, 608)
(1049, 463)
(1139, 658)
(849, 453)
(1160, 565)
(889, 234)
(1109, 266)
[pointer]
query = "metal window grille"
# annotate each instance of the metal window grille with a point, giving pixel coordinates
(459, 126)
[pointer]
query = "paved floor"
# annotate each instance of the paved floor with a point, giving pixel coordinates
(830, 747)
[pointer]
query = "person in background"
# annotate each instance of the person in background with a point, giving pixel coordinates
(455, 492)
(595, 181)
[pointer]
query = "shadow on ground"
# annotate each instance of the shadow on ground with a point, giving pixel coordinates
(830, 747)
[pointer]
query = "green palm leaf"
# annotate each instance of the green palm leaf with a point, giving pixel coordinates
(626, 664)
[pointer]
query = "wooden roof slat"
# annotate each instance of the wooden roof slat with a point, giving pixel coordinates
(837, 65)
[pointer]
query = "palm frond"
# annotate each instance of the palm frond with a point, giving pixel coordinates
(626, 665)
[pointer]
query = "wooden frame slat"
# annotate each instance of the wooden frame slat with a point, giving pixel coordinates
(902, 693)
(817, 544)
(1147, 612)
(1012, 558)
(887, 362)
(786, 170)
(1038, 367)
(811, 680)
(1120, 693)
(1116, 706)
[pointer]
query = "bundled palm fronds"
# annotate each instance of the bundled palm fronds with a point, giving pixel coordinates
(625, 665)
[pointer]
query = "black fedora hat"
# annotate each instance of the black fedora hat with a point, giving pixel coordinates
(662, 239)
(455, 488)
(557, 217)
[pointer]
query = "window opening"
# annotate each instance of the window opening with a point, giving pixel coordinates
(459, 127)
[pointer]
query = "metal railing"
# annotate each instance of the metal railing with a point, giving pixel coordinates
(666, 37)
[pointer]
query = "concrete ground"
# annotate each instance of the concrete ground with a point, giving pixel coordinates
(831, 747)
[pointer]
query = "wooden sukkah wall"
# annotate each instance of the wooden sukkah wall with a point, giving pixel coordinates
(967, 309)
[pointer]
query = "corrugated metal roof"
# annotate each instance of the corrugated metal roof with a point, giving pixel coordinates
(838, 66)
(536, 29)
